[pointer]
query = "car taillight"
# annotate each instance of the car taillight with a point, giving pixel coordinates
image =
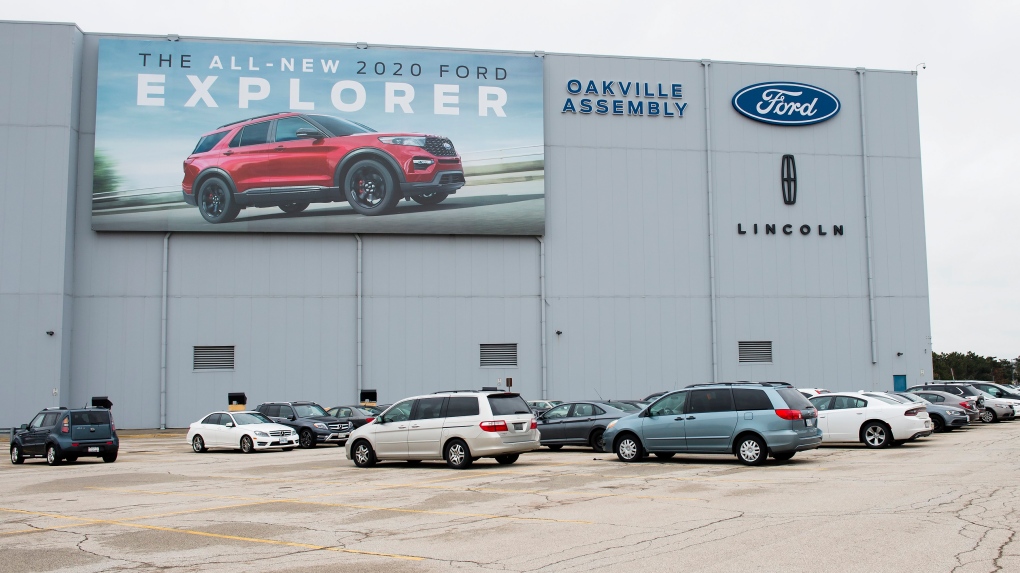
(534, 424)
(965, 405)
(789, 414)
(912, 412)
(497, 426)
(64, 427)
(369, 420)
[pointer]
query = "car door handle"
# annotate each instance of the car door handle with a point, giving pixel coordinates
(590, 420)
(415, 426)
(690, 417)
(228, 152)
(279, 148)
(679, 418)
(401, 427)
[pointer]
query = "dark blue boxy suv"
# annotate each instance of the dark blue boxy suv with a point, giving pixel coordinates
(749, 420)
(62, 434)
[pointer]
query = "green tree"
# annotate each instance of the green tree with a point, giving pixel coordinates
(971, 366)
(105, 178)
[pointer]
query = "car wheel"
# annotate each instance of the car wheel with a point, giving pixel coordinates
(198, 444)
(752, 451)
(363, 454)
(988, 416)
(52, 455)
(215, 201)
(246, 445)
(307, 439)
(875, 435)
(293, 207)
(430, 198)
(628, 449)
(665, 455)
(16, 456)
(71, 459)
(458, 456)
(597, 442)
(555, 447)
(370, 189)
(110, 458)
(507, 459)
(937, 424)
(783, 456)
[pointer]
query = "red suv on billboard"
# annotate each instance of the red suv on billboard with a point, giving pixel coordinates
(289, 160)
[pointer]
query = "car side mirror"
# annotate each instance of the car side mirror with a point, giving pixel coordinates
(292, 418)
(229, 424)
(309, 133)
(24, 426)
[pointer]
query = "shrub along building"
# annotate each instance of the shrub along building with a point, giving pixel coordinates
(625, 225)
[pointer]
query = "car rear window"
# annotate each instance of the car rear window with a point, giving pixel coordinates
(508, 404)
(459, 406)
(793, 399)
(624, 406)
(751, 399)
(90, 418)
(968, 390)
(209, 141)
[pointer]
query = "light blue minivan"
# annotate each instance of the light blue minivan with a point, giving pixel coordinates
(746, 419)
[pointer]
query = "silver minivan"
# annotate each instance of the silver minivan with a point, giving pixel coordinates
(459, 427)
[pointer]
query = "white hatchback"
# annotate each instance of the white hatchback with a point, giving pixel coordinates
(458, 427)
(877, 421)
(245, 431)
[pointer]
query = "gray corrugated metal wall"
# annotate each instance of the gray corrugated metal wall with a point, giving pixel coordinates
(627, 264)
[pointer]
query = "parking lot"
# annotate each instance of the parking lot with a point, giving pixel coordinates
(944, 503)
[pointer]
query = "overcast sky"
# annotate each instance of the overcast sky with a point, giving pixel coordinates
(970, 131)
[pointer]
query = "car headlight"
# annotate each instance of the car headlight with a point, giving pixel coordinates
(611, 424)
(261, 434)
(320, 425)
(412, 141)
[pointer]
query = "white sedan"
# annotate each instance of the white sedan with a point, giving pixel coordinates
(245, 431)
(877, 421)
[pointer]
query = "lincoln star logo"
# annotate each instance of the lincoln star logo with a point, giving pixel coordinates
(788, 177)
(781, 103)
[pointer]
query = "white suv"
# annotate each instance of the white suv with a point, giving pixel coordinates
(458, 427)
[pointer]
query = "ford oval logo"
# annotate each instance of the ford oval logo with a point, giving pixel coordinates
(783, 103)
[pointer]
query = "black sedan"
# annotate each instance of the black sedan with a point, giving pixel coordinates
(356, 415)
(580, 423)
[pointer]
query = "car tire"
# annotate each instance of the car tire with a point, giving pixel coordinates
(247, 446)
(555, 447)
(785, 456)
(628, 448)
(363, 454)
(938, 425)
(52, 455)
(665, 455)
(370, 189)
(430, 198)
(215, 201)
(198, 444)
(110, 458)
(751, 450)
(288, 449)
(507, 459)
(306, 439)
(988, 416)
(294, 207)
(17, 456)
(71, 459)
(458, 455)
(596, 442)
(876, 435)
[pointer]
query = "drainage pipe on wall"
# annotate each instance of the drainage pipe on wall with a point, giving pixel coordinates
(162, 337)
(360, 369)
(711, 223)
(867, 218)
(541, 304)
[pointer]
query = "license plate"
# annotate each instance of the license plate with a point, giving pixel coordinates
(519, 426)
(284, 440)
(93, 449)
(810, 422)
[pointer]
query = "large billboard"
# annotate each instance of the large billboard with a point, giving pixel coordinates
(311, 138)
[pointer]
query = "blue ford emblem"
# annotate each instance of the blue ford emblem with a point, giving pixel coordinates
(782, 103)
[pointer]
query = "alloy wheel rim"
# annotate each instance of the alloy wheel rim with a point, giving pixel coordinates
(986, 416)
(51, 454)
(628, 449)
(456, 454)
(212, 200)
(875, 436)
(750, 450)
(196, 444)
(306, 439)
(361, 454)
(370, 188)
(246, 445)
(14, 454)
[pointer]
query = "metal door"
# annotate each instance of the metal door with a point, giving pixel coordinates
(663, 429)
(710, 420)
(390, 436)
(579, 424)
(550, 424)
(899, 382)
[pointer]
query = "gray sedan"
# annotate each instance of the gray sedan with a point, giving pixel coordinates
(943, 416)
(580, 423)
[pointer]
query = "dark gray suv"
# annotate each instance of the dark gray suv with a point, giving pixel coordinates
(749, 420)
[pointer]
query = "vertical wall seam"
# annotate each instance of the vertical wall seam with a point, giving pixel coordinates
(867, 217)
(359, 320)
(711, 223)
(162, 334)
(541, 304)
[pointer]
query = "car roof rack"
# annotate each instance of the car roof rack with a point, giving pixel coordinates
(251, 118)
(55, 408)
(743, 383)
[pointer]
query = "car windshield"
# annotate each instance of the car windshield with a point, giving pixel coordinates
(245, 418)
(308, 410)
(624, 406)
(340, 127)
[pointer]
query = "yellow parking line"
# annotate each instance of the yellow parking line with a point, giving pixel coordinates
(215, 535)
